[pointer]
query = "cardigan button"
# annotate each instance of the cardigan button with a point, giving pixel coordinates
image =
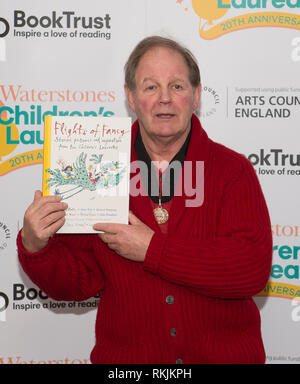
(178, 361)
(170, 299)
(173, 332)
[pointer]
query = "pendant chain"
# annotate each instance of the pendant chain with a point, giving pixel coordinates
(160, 213)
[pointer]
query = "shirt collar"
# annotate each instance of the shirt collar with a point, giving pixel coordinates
(170, 178)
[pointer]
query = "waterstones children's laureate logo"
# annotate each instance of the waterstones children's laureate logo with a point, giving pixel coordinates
(13, 359)
(22, 117)
(286, 230)
(244, 14)
(284, 279)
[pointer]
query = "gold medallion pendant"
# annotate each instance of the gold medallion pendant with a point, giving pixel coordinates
(161, 215)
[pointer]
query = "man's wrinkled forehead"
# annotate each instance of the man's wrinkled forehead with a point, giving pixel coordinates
(155, 59)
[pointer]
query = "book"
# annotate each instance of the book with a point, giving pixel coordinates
(87, 163)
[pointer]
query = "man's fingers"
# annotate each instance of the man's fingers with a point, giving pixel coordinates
(49, 208)
(133, 220)
(42, 219)
(52, 218)
(46, 199)
(108, 238)
(36, 213)
(107, 227)
(111, 241)
(114, 228)
(38, 196)
(53, 228)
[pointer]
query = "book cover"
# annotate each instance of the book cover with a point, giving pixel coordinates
(87, 163)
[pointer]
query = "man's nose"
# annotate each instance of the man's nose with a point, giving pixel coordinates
(165, 95)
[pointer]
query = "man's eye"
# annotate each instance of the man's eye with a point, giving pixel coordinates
(177, 86)
(150, 87)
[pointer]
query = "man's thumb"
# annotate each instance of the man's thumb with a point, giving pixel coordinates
(133, 220)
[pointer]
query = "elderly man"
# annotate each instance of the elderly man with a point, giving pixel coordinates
(176, 283)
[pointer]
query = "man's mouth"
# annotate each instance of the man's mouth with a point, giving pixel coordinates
(165, 115)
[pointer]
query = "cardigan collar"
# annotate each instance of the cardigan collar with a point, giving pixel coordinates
(198, 151)
(150, 176)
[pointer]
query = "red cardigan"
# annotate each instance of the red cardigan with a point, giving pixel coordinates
(191, 300)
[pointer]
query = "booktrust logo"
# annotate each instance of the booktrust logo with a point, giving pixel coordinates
(3, 306)
(210, 11)
(4, 27)
(61, 25)
(4, 30)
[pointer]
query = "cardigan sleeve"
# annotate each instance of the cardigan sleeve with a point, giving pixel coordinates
(66, 269)
(237, 262)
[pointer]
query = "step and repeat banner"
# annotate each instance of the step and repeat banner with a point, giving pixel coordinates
(67, 58)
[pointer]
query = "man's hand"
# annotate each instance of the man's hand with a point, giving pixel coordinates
(130, 241)
(42, 219)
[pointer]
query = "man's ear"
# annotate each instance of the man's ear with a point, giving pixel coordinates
(197, 97)
(130, 97)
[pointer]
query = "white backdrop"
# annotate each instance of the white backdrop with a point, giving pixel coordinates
(67, 57)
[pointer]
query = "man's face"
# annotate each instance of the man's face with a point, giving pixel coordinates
(164, 98)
